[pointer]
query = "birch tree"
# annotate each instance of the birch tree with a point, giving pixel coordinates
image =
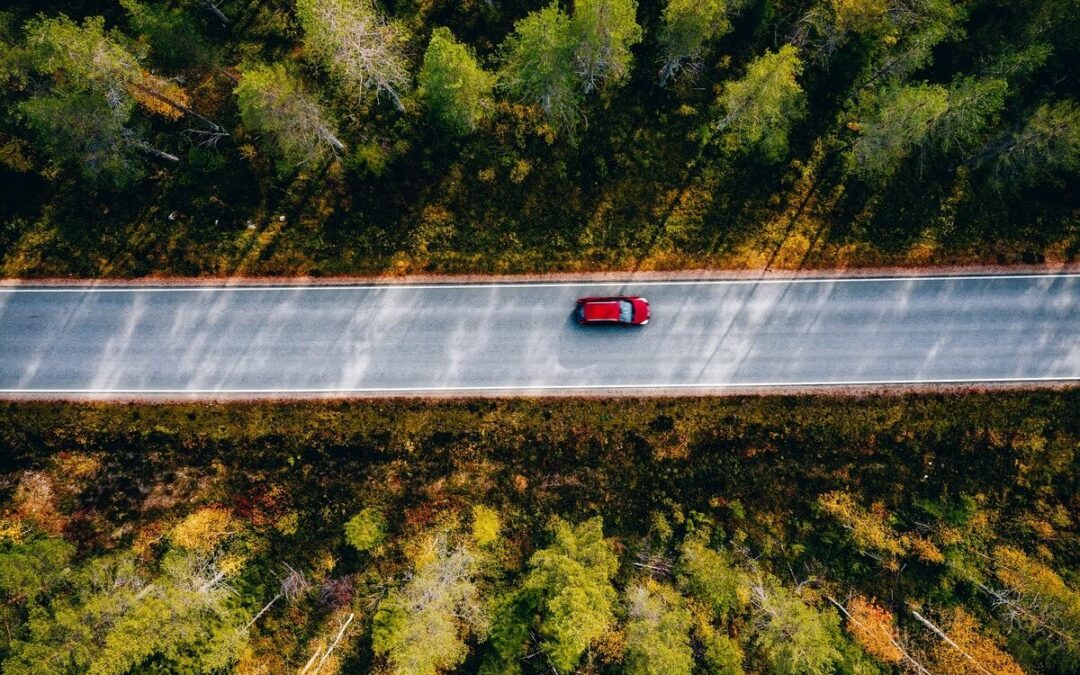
(687, 26)
(357, 46)
(658, 632)
(421, 628)
(604, 32)
(272, 103)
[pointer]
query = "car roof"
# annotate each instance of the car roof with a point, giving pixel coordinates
(602, 310)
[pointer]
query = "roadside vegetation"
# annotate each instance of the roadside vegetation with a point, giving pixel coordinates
(759, 535)
(223, 137)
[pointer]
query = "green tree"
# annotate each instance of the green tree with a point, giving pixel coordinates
(721, 654)
(87, 57)
(81, 127)
(572, 577)
(273, 103)
(974, 105)
(604, 32)
(512, 616)
(84, 116)
(1048, 143)
(658, 632)
(456, 88)
(421, 628)
(910, 36)
(896, 121)
(30, 569)
(760, 107)
(709, 577)
(357, 45)
(84, 54)
(112, 619)
(567, 597)
(366, 530)
(538, 66)
(795, 638)
(174, 35)
(686, 27)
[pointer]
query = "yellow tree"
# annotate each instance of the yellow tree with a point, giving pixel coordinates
(963, 650)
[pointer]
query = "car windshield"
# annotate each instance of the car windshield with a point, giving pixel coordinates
(626, 311)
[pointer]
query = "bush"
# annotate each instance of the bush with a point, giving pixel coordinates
(485, 525)
(366, 530)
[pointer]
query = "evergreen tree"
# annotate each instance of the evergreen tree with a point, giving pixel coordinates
(760, 107)
(175, 37)
(456, 88)
(30, 569)
(709, 577)
(795, 638)
(538, 66)
(974, 105)
(567, 597)
(84, 116)
(1047, 145)
(898, 120)
(80, 126)
(112, 619)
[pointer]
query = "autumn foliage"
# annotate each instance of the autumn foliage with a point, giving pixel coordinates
(874, 628)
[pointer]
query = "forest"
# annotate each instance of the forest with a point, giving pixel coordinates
(916, 533)
(900, 534)
(336, 137)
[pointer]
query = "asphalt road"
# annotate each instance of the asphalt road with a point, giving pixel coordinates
(490, 338)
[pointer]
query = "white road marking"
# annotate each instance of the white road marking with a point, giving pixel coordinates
(534, 284)
(541, 387)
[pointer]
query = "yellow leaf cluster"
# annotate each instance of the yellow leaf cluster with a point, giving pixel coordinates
(858, 15)
(869, 528)
(520, 171)
(165, 89)
(12, 529)
(204, 529)
(1030, 577)
(962, 628)
(924, 549)
(485, 525)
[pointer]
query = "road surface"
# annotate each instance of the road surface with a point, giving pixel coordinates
(704, 335)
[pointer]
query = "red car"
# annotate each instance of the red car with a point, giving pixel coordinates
(623, 309)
